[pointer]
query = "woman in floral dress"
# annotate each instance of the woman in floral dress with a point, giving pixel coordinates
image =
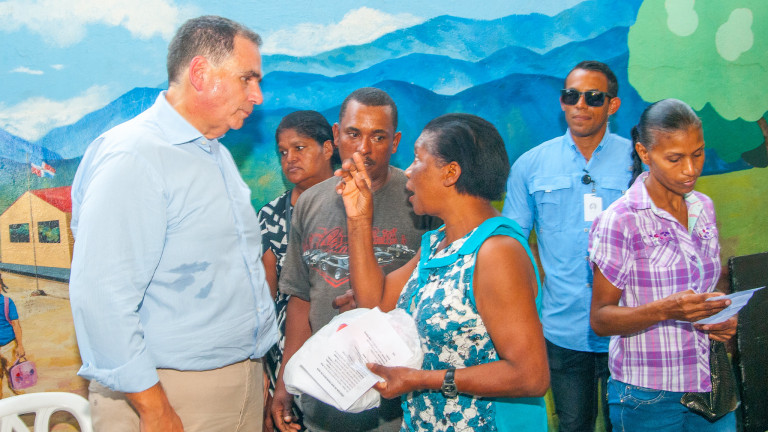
(472, 289)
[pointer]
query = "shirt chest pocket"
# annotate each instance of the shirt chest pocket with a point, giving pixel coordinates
(549, 194)
(706, 237)
(656, 252)
(612, 188)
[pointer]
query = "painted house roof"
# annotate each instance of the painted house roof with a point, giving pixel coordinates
(59, 197)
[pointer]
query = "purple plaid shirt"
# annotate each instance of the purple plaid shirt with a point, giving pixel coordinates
(643, 251)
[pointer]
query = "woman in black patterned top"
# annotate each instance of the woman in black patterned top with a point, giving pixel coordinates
(307, 156)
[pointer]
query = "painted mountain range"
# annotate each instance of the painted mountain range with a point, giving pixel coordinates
(508, 70)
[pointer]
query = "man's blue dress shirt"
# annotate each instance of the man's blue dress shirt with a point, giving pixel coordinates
(545, 190)
(166, 270)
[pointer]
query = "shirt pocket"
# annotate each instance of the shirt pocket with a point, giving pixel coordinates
(657, 250)
(707, 238)
(549, 194)
(614, 187)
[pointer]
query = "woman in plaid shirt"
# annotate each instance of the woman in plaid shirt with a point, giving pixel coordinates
(656, 261)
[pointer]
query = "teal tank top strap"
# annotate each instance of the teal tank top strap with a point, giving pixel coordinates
(501, 225)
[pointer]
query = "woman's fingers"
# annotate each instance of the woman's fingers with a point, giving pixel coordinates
(693, 307)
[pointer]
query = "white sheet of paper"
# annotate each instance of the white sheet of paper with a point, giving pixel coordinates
(369, 339)
(593, 205)
(738, 301)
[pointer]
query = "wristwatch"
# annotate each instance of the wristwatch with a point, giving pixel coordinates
(448, 389)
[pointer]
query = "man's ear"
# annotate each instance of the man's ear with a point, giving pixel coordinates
(614, 105)
(198, 69)
(451, 173)
(396, 141)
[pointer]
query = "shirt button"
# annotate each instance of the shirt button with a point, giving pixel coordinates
(587, 285)
(586, 229)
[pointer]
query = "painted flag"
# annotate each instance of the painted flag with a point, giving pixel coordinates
(47, 169)
(43, 169)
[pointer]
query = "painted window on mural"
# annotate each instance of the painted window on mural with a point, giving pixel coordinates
(48, 232)
(19, 233)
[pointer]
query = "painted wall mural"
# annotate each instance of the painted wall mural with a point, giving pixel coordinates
(71, 69)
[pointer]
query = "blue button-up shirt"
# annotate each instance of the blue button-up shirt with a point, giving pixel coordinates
(166, 270)
(545, 190)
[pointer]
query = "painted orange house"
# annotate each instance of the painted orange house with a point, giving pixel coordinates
(34, 230)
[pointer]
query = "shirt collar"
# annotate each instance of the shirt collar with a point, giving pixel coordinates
(638, 198)
(176, 128)
(576, 152)
(695, 209)
(637, 195)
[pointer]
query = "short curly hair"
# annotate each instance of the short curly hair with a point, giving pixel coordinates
(476, 145)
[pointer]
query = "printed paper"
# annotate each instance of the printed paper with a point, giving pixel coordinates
(738, 301)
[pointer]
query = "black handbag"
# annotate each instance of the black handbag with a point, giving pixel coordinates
(724, 395)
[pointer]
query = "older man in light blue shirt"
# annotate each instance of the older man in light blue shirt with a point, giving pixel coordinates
(559, 187)
(166, 274)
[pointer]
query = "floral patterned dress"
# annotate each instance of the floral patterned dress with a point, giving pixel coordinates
(440, 298)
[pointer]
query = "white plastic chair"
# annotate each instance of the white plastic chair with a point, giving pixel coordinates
(43, 404)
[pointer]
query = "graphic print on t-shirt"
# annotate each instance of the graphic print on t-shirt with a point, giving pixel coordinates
(327, 252)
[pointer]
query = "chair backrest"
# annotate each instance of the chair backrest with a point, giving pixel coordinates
(43, 404)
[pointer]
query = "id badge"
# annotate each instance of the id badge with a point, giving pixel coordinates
(593, 205)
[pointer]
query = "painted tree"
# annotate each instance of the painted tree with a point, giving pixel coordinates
(708, 52)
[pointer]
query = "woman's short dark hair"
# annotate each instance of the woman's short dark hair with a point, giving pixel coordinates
(667, 116)
(476, 145)
(310, 124)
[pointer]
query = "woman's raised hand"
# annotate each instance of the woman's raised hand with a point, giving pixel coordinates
(355, 187)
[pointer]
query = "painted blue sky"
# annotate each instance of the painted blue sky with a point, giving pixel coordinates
(61, 59)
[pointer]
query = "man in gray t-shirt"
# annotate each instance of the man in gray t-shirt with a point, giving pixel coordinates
(316, 268)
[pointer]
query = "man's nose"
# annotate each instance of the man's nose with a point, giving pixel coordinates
(582, 102)
(254, 93)
(364, 146)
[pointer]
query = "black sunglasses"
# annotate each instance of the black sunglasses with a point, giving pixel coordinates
(592, 98)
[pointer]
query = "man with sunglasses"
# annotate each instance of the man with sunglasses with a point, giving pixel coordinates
(559, 187)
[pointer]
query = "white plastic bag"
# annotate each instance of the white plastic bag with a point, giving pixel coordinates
(298, 380)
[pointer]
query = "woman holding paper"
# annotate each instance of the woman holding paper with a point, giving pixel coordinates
(656, 261)
(471, 289)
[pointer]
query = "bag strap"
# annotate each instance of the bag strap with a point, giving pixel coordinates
(6, 307)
